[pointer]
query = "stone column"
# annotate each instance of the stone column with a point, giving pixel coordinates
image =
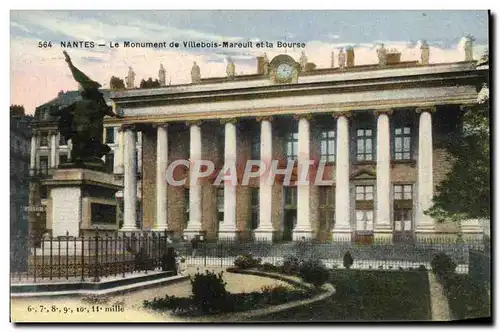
(303, 227)
(425, 185)
(70, 147)
(34, 149)
(227, 229)
(383, 229)
(342, 229)
(119, 153)
(129, 179)
(265, 230)
(194, 224)
(161, 177)
(53, 150)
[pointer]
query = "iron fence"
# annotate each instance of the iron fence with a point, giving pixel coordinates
(115, 255)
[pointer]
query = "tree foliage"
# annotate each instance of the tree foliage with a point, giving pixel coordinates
(465, 193)
(116, 83)
(16, 110)
(149, 84)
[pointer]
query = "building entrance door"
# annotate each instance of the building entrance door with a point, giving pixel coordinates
(289, 224)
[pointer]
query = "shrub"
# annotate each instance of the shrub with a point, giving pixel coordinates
(268, 267)
(177, 305)
(209, 292)
(443, 265)
(314, 272)
(348, 260)
(291, 265)
(422, 268)
(277, 294)
(247, 261)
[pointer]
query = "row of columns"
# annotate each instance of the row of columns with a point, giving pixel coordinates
(343, 228)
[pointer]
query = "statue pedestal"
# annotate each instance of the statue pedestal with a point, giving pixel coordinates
(81, 200)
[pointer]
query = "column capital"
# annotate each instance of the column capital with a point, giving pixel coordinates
(127, 126)
(229, 120)
(157, 125)
(264, 118)
(430, 109)
(190, 123)
(307, 116)
(339, 114)
(387, 111)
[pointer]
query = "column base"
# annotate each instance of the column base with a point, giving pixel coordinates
(129, 229)
(264, 234)
(383, 235)
(192, 232)
(227, 234)
(342, 235)
(298, 234)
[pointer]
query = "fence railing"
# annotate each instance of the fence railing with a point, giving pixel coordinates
(116, 255)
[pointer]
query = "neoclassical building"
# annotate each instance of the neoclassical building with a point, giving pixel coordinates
(381, 131)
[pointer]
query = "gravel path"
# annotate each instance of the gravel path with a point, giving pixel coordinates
(440, 309)
(132, 302)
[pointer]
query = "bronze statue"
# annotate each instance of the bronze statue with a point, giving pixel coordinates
(82, 122)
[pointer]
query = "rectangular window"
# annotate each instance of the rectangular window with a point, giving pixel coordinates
(109, 164)
(254, 221)
(290, 196)
(62, 140)
(44, 164)
(326, 208)
(110, 134)
(364, 145)
(364, 193)
(364, 220)
(402, 143)
(255, 147)
(44, 139)
(402, 219)
(327, 145)
(220, 204)
(291, 146)
(63, 159)
(403, 192)
(403, 207)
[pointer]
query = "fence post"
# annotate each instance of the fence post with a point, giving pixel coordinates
(123, 254)
(83, 258)
(50, 258)
(96, 272)
(67, 255)
(34, 263)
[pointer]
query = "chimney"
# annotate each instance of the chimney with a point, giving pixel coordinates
(260, 65)
(393, 56)
(424, 53)
(350, 57)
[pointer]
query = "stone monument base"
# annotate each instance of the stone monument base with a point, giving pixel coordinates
(81, 200)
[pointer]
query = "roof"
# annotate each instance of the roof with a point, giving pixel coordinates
(69, 97)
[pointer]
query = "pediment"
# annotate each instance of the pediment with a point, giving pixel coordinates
(364, 174)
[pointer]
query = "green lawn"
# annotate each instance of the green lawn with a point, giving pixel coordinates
(467, 298)
(367, 296)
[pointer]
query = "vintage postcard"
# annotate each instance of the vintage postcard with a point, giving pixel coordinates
(249, 166)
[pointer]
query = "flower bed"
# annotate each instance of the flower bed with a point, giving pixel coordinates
(210, 297)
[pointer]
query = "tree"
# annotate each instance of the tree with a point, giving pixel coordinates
(465, 193)
(16, 110)
(149, 84)
(116, 83)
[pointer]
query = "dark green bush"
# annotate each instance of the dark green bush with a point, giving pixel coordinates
(209, 292)
(247, 261)
(422, 268)
(177, 305)
(348, 260)
(443, 265)
(291, 265)
(268, 267)
(314, 272)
